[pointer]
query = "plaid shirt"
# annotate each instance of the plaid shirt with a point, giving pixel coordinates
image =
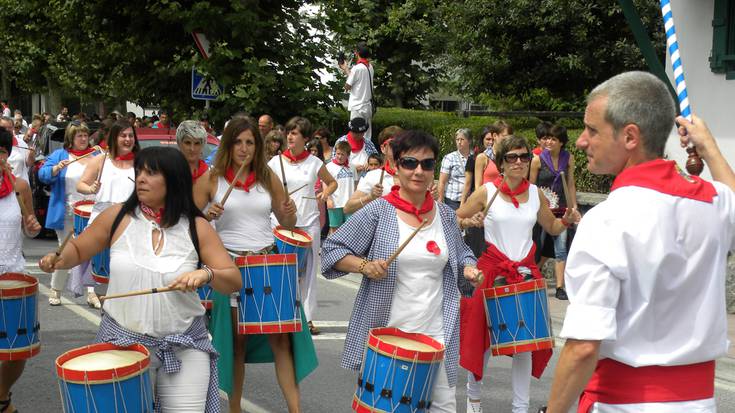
(373, 233)
(453, 165)
(196, 337)
(369, 149)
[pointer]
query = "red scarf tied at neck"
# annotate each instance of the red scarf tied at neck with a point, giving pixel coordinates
(390, 171)
(81, 152)
(201, 169)
(364, 61)
(6, 185)
(346, 163)
(394, 198)
(355, 145)
(129, 157)
(152, 213)
(505, 189)
(296, 158)
(249, 181)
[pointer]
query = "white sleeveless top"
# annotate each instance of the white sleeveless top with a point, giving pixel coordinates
(509, 228)
(116, 186)
(245, 224)
(134, 266)
(306, 173)
(72, 176)
(11, 235)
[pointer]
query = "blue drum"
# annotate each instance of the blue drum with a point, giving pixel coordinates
(398, 372)
(269, 301)
(19, 327)
(82, 211)
(205, 292)
(101, 267)
(518, 317)
(105, 378)
(293, 242)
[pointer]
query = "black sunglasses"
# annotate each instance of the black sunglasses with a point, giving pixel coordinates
(413, 163)
(514, 157)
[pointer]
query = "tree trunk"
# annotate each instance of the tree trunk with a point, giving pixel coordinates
(5, 81)
(54, 96)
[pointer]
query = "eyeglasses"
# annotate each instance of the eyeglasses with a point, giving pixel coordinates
(413, 163)
(514, 157)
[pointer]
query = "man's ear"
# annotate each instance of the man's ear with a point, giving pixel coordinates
(631, 135)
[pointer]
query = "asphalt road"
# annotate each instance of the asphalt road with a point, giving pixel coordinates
(328, 389)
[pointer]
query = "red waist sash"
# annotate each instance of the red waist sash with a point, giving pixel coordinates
(616, 383)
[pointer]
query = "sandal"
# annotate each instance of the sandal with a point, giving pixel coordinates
(53, 299)
(93, 301)
(5, 405)
(313, 329)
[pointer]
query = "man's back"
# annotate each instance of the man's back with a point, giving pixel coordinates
(359, 81)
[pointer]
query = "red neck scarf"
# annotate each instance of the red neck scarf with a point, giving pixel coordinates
(390, 171)
(249, 181)
(201, 169)
(666, 177)
(151, 213)
(129, 157)
(505, 189)
(355, 145)
(346, 163)
(15, 140)
(6, 185)
(394, 198)
(296, 158)
(363, 61)
(82, 152)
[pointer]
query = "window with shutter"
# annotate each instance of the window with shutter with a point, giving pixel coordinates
(722, 58)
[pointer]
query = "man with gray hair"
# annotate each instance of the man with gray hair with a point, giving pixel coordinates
(646, 272)
(191, 138)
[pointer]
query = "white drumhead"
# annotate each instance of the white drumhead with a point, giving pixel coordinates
(85, 207)
(4, 284)
(104, 360)
(294, 235)
(406, 343)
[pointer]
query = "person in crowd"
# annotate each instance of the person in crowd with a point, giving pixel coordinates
(161, 212)
(14, 222)
(191, 138)
(62, 171)
(131, 118)
(244, 226)
(361, 147)
(5, 108)
(542, 132)
(63, 116)
(475, 236)
(508, 259)
(359, 84)
(21, 159)
(375, 161)
(548, 169)
(274, 143)
(343, 173)
(265, 124)
(420, 291)
(324, 137)
(300, 171)
(204, 121)
(315, 149)
(646, 273)
(378, 182)
(164, 120)
(485, 169)
(451, 174)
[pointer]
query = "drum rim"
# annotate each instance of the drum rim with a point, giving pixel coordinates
(101, 376)
(265, 259)
(375, 343)
(513, 289)
(18, 292)
(83, 214)
(283, 237)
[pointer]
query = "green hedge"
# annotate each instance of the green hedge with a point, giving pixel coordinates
(443, 126)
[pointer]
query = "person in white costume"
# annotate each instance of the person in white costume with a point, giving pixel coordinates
(646, 271)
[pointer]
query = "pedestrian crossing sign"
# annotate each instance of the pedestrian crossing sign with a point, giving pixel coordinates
(203, 87)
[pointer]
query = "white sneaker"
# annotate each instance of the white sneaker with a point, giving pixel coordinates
(474, 407)
(55, 297)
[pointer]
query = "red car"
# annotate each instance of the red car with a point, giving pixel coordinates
(161, 137)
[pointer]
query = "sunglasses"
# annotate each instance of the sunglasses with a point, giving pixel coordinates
(413, 163)
(514, 157)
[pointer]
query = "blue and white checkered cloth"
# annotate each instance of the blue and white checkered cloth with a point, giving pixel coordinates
(373, 233)
(196, 337)
(453, 165)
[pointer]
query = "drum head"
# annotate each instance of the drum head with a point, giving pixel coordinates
(104, 360)
(406, 343)
(5, 284)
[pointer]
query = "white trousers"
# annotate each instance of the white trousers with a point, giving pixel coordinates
(185, 391)
(443, 396)
(365, 112)
(520, 379)
(307, 281)
(60, 277)
(694, 406)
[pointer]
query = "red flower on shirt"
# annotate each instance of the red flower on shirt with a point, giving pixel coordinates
(433, 248)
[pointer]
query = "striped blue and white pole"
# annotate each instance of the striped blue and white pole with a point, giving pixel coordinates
(673, 45)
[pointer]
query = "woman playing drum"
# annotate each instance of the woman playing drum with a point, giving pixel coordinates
(62, 170)
(12, 226)
(301, 173)
(420, 291)
(508, 226)
(157, 237)
(191, 138)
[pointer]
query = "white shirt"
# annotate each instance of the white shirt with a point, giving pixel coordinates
(646, 275)
(345, 177)
(134, 266)
(509, 228)
(372, 178)
(72, 176)
(116, 185)
(299, 174)
(359, 81)
(245, 224)
(11, 236)
(417, 297)
(17, 159)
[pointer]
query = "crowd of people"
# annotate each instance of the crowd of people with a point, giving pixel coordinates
(500, 209)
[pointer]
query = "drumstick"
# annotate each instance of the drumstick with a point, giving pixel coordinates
(63, 245)
(492, 199)
(283, 172)
(131, 179)
(410, 237)
(382, 173)
(297, 189)
(27, 149)
(567, 196)
(232, 184)
(139, 292)
(96, 149)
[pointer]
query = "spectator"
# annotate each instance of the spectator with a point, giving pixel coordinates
(5, 108)
(130, 116)
(374, 161)
(360, 85)
(361, 146)
(21, 158)
(204, 121)
(63, 116)
(265, 124)
(164, 121)
(274, 143)
(47, 118)
(542, 131)
(323, 136)
(451, 175)
(485, 168)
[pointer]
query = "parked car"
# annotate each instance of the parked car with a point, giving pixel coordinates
(162, 137)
